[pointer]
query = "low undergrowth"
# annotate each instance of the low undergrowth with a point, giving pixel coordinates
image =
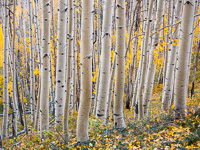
(159, 130)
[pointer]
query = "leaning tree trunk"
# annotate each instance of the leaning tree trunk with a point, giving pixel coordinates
(183, 57)
(168, 86)
(61, 57)
(44, 98)
(149, 81)
(105, 60)
(120, 65)
(5, 74)
(86, 71)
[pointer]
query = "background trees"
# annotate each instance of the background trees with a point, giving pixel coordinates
(67, 64)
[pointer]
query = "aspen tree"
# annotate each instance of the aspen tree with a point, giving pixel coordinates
(23, 107)
(133, 7)
(5, 73)
(86, 71)
(74, 54)
(61, 60)
(195, 69)
(168, 36)
(120, 65)
(105, 59)
(44, 101)
(149, 81)
(97, 92)
(110, 93)
(37, 36)
(168, 86)
(54, 57)
(13, 77)
(191, 46)
(186, 33)
(24, 3)
(38, 51)
(69, 63)
(143, 62)
(137, 77)
(32, 77)
(24, 32)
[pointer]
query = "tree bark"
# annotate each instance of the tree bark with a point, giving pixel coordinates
(120, 65)
(61, 60)
(32, 76)
(86, 71)
(69, 63)
(183, 58)
(5, 74)
(105, 59)
(149, 81)
(44, 98)
(168, 86)
(144, 61)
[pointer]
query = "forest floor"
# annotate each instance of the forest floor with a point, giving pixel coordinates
(157, 131)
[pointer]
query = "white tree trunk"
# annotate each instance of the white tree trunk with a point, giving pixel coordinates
(168, 86)
(110, 93)
(61, 59)
(44, 101)
(105, 59)
(144, 61)
(74, 55)
(5, 74)
(149, 81)
(69, 64)
(13, 78)
(86, 71)
(183, 58)
(32, 76)
(120, 65)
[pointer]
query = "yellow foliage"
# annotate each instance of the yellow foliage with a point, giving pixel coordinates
(1, 47)
(37, 72)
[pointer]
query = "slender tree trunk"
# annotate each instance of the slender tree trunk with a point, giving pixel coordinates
(105, 60)
(120, 65)
(168, 36)
(144, 61)
(32, 77)
(5, 74)
(149, 81)
(61, 60)
(69, 64)
(183, 58)
(86, 71)
(110, 93)
(23, 108)
(168, 86)
(74, 55)
(195, 69)
(54, 56)
(44, 101)
(38, 50)
(13, 77)
(97, 92)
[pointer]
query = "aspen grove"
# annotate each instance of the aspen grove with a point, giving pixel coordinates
(99, 74)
